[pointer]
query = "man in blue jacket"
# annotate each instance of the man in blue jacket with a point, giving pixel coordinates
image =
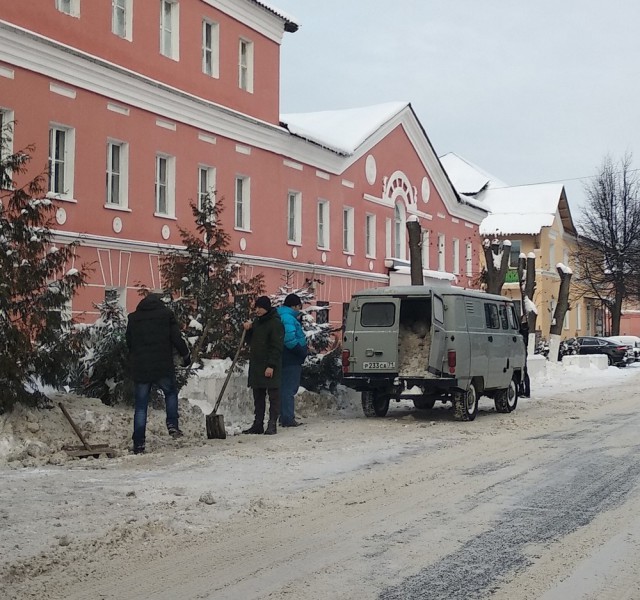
(293, 355)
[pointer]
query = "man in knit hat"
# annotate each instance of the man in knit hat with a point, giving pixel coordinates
(265, 335)
(293, 355)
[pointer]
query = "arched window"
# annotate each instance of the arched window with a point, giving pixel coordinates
(400, 230)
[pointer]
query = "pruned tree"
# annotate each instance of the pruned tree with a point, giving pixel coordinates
(562, 306)
(607, 254)
(414, 231)
(209, 295)
(496, 256)
(527, 279)
(37, 281)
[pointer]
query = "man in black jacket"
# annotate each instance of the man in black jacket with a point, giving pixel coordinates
(152, 334)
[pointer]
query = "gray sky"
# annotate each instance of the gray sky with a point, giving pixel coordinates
(531, 91)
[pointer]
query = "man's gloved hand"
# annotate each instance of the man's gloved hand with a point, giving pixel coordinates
(186, 360)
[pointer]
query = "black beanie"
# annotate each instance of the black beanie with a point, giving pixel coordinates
(292, 300)
(263, 302)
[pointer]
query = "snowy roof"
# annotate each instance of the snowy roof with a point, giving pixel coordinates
(341, 130)
(467, 178)
(523, 209)
(291, 23)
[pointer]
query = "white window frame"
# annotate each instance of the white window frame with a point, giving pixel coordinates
(456, 256)
(66, 159)
(117, 175)
(294, 217)
(211, 48)
(122, 27)
(424, 250)
(565, 324)
(165, 182)
(206, 184)
(347, 229)
(388, 228)
(6, 131)
(370, 235)
(323, 229)
(170, 29)
(578, 316)
(552, 256)
(399, 230)
(441, 252)
(245, 65)
(469, 259)
(242, 203)
(69, 7)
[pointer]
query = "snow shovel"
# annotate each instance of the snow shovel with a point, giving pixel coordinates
(215, 422)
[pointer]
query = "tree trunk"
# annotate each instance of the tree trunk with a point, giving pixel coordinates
(496, 252)
(559, 313)
(415, 251)
(527, 279)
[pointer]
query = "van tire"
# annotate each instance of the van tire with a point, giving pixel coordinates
(506, 400)
(375, 404)
(424, 403)
(465, 404)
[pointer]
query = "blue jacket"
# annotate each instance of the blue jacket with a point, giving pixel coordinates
(295, 342)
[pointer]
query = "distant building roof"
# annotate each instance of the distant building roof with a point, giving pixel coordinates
(291, 24)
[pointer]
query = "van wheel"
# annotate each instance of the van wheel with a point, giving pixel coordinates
(375, 404)
(424, 403)
(465, 404)
(507, 400)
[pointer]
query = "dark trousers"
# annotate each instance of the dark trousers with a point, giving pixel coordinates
(260, 403)
(141, 395)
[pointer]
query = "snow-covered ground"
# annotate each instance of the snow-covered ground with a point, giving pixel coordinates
(56, 512)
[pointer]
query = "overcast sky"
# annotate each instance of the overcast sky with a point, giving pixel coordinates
(529, 91)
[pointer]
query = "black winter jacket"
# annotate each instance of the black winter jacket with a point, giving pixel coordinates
(266, 338)
(152, 334)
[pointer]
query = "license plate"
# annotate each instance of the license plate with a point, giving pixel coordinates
(379, 365)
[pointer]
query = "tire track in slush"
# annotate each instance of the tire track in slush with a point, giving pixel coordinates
(581, 487)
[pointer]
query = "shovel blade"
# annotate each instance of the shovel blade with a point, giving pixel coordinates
(215, 427)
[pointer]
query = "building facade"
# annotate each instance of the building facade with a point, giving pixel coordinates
(138, 108)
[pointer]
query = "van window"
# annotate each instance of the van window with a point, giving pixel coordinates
(438, 309)
(503, 316)
(491, 316)
(513, 321)
(378, 314)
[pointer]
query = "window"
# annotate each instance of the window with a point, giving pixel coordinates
(469, 259)
(492, 319)
(294, 213)
(503, 316)
(117, 174)
(323, 224)
(210, 48)
(206, 185)
(399, 231)
(245, 66)
(169, 28)
(456, 257)
(378, 314)
(121, 18)
(565, 258)
(61, 157)
(370, 236)
(117, 296)
(347, 229)
(69, 7)
(514, 254)
(441, 241)
(242, 206)
(322, 315)
(6, 146)
(425, 249)
(579, 316)
(165, 186)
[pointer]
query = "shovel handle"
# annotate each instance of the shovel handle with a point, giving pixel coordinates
(226, 380)
(75, 427)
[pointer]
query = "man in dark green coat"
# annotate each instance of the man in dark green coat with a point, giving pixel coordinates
(265, 334)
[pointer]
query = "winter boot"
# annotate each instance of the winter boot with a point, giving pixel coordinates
(271, 428)
(175, 432)
(255, 428)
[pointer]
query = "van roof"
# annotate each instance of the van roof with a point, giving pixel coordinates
(426, 290)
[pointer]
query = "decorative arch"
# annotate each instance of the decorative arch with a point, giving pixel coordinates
(398, 186)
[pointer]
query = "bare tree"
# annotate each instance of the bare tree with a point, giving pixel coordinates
(607, 253)
(496, 255)
(560, 311)
(415, 255)
(527, 279)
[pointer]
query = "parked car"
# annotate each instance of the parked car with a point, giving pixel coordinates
(633, 341)
(616, 353)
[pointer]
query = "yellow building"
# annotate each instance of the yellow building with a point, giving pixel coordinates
(534, 219)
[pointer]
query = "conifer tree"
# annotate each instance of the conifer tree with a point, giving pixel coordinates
(208, 293)
(37, 280)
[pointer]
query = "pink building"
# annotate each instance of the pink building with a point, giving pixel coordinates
(139, 107)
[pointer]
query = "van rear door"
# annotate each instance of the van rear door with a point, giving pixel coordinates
(436, 355)
(375, 335)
